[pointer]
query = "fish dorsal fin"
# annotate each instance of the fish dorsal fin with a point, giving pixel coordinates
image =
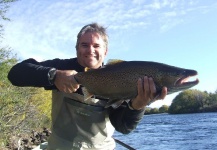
(114, 61)
(86, 69)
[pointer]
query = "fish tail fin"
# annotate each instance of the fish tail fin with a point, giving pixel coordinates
(87, 95)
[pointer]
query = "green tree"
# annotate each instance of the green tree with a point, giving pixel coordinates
(201, 98)
(154, 111)
(212, 103)
(147, 110)
(186, 102)
(21, 109)
(212, 99)
(4, 5)
(163, 109)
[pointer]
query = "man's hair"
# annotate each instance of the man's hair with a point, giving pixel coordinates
(93, 27)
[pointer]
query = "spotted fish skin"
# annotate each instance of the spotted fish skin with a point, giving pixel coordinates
(118, 81)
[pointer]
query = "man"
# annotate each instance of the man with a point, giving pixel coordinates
(77, 124)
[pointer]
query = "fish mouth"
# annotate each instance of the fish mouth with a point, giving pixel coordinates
(184, 81)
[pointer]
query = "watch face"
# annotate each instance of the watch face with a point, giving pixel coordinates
(51, 74)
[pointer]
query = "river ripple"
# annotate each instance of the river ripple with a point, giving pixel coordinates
(173, 132)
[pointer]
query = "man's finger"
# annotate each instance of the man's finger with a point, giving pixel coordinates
(152, 88)
(140, 86)
(163, 93)
(146, 87)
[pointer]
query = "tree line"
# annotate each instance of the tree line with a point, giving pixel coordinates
(21, 109)
(189, 101)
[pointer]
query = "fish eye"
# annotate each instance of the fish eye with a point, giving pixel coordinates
(179, 72)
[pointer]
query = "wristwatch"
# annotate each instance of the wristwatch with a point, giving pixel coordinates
(52, 75)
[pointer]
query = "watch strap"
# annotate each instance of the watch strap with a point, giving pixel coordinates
(52, 75)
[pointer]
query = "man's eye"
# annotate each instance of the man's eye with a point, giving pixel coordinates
(84, 45)
(96, 46)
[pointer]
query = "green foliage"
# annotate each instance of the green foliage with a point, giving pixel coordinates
(189, 101)
(184, 103)
(193, 101)
(21, 109)
(212, 99)
(147, 110)
(42, 99)
(163, 109)
(154, 111)
(4, 5)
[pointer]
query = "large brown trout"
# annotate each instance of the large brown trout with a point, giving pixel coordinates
(118, 80)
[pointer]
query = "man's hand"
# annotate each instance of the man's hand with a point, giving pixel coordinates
(65, 81)
(147, 93)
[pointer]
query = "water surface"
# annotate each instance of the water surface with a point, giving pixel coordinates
(173, 132)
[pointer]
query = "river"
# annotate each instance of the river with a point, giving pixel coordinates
(173, 132)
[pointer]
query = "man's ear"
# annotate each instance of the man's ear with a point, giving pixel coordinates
(106, 51)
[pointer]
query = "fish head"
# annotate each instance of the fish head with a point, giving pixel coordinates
(177, 79)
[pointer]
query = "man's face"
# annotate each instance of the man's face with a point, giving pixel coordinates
(91, 50)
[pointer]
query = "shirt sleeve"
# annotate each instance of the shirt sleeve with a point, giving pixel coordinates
(31, 73)
(124, 119)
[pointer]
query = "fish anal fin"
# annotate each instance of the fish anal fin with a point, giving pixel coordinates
(87, 95)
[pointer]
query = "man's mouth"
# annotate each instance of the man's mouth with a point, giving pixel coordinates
(90, 56)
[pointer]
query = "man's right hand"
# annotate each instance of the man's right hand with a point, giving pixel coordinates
(65, 81)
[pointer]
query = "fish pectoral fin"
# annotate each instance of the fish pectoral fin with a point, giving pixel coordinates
(114, 61)
(114, 103)
(87, 95)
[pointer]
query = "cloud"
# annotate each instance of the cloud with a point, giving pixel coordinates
(49, 28)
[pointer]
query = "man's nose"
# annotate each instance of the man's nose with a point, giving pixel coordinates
(91, 49)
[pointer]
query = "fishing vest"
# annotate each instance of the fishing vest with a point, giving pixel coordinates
(78, 124)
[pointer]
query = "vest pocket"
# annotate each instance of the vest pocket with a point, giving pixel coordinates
(79, 122)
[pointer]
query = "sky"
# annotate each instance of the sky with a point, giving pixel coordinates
(181, 33)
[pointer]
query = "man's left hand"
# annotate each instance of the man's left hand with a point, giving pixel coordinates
(147, 93)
